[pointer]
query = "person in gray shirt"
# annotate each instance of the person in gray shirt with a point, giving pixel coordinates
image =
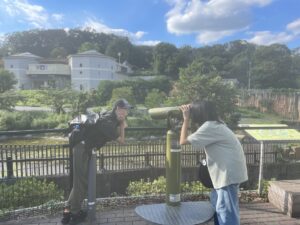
(224, 154)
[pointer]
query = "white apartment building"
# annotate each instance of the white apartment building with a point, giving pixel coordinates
(89, 68)
(84, 70)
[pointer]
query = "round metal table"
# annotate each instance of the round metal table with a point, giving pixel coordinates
(187, 213)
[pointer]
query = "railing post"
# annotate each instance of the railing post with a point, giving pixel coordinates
(101, 162)
(9, 167)
(197, 157)
(147, 159)
(70, 168)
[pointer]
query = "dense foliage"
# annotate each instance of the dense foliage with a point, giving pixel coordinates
(194, 85)
(8, 97)
(32, 120)
(182, 75)
(252, 65)
(158, 186)
(27, 193)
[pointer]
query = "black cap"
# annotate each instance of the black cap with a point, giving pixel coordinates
(122, 103)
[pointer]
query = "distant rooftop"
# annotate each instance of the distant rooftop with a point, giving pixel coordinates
(25, 54)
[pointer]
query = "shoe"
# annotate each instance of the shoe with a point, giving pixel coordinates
(78, 217)
(66, 217)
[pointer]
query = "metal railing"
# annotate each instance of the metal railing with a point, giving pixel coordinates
(23, 161)
(52, 160)
(49, 160)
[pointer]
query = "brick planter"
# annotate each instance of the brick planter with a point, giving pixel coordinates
(285, 195)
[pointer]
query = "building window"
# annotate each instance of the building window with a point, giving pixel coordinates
(81, 87)
(80, 72)
(80, 64)
(11, 66)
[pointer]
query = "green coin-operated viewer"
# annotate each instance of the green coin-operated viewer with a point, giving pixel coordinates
(173, 151)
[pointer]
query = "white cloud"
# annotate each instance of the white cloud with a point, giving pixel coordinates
(294, 26)
(57, 17)
(100, 27)
(34, 14)
(267, 37)
(133, 37)
(205, 18)
(208, 37)
(149, 43)
(24, 12)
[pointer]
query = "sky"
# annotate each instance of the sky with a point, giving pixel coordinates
(196, 23)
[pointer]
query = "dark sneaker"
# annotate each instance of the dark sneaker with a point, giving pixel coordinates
(66, 217)
(78, 217)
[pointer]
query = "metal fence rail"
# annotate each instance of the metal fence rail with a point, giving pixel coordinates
(51, 160)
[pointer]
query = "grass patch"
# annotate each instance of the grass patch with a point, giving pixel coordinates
(252, 116)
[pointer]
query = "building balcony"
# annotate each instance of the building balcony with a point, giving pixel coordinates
(46, 69)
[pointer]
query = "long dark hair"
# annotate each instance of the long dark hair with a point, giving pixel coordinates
(202, 111)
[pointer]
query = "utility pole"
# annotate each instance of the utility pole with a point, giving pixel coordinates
(249, 74)
(119, 54)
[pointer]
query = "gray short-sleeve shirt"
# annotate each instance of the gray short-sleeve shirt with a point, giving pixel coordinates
(225, 156)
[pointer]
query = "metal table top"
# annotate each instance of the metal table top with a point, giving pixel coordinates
(187, 213)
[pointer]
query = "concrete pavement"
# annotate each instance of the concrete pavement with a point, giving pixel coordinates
(251, 214)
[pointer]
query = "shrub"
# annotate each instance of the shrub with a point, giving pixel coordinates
(31, 98)
(52, 121)
(139, 188)
(27, 193)
(18, 120)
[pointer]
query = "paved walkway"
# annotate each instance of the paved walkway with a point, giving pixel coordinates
(251, 213)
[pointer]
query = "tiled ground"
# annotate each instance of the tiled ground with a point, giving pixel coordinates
(252, 213)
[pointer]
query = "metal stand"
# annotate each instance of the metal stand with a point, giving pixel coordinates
(175, 212)
(261, 168)
(92, 189)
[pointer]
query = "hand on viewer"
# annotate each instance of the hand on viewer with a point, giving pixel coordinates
(185, 111)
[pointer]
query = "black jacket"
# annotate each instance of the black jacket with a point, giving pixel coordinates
(96, 135)
(104, 130)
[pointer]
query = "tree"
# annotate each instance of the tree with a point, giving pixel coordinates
(192, 86)
(272, 67)
(165, 60)
(120, 45)
(82, 101)
(140, 88)
(58, 98)
(122, 92)
(86, 46)
(7, 80)
(155, 98)
(8, 97)
(141, 57)
(296, 68)
(104, 90)
(59, 52)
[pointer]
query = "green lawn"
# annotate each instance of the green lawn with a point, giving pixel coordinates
(252, 116)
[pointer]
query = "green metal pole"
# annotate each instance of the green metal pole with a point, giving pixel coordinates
(173, 169)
